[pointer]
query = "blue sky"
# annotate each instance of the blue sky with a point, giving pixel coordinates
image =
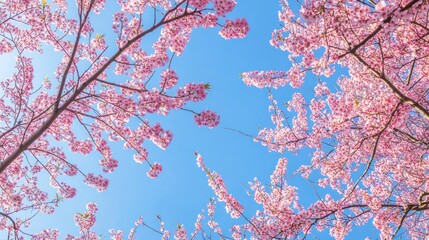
(181, 191)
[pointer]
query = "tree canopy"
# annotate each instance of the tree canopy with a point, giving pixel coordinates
(361, 132)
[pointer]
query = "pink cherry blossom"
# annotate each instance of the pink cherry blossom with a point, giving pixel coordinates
(235, 29)
(97, 182)
(180, 233)
(155, 170)
(168, 79)
(207, 118)
(83, 106)
(223, 7)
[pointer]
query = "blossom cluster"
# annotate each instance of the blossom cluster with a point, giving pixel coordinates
(216, 182)
(86, 220)
(359, 128)
(155, 170)
(81, 105)
(207, 118)
(237, 28)
(97, 182)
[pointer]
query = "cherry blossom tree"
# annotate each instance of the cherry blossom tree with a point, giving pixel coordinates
(367, 130)
(103, 87)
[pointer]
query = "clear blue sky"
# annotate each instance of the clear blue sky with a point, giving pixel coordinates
(181, 191)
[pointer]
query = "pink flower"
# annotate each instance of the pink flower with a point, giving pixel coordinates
(67, 191)
(5, 46)
(207, 118)
(155, 170)
(199, 3)
(168, 79)
(86, 220)
(180, 233)
(223, 7)
(116, 234)
(235, 29)
(97, 182)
